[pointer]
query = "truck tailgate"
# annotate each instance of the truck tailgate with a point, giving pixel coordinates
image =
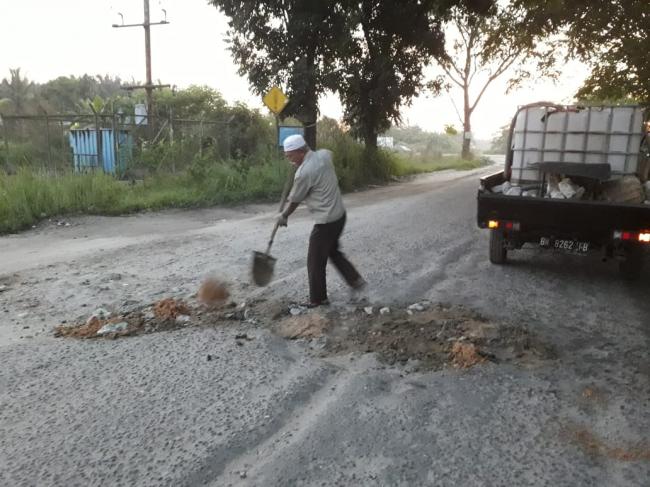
(562, 214)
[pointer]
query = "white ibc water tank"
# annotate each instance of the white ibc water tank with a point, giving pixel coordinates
(591, 135)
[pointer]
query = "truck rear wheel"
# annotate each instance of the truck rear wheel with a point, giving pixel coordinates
(630, 267)
(498, 251)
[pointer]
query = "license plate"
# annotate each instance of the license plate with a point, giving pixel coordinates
(571, 246)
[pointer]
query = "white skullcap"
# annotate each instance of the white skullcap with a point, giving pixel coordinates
(294, 142)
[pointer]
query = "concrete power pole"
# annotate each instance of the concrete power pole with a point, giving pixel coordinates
(147, 49)
(148, 86)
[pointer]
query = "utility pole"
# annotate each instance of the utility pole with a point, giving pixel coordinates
(148, 86)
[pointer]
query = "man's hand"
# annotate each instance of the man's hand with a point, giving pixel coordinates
(282, 220)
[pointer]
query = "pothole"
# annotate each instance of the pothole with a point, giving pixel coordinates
(434, 337)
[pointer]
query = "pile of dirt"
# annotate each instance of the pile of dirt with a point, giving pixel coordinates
(93, 327)
(167, 314)
(311, 325)
(436, 337)
(465, 355)
(86, 330)
(164, 315)
(170, 309)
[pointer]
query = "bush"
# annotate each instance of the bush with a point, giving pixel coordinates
(29, 194)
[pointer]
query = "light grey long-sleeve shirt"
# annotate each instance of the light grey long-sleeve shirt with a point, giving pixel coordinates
(315, 184)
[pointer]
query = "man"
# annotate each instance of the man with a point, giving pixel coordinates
(316, 185)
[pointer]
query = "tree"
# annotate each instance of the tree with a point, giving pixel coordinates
(369, 52)
(69, 94)
(499, 143)
(380, 60)
(611, 37)
(194, 102)
(480, 50)
(424, 142)
(19, 91)
(285, 43)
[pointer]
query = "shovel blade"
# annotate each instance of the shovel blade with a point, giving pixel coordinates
(263, 265)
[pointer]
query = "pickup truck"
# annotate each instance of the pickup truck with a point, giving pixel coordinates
(590, 223)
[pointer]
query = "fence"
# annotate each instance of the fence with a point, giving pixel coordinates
(69, 142)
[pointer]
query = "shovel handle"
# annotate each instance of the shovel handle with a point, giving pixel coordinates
(285, 191)
(275, 229)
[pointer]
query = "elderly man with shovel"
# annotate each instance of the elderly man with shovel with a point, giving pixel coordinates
(316, 185)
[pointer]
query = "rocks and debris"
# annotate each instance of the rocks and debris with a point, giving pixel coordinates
(235, 315)
(108, 328)
(183, 319)
(87, 330)
(501, 188)
(100, 313)
(243, 336)
(563, 188)
(419, 307)
(297, 310)
(164, 315)
(60, 223)
(170, 309)
(567, 188)
(213, 292)
(627, 189)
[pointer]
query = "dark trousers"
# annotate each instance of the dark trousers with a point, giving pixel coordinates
(323, 245)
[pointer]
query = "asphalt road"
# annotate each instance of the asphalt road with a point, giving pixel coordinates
(151, 410)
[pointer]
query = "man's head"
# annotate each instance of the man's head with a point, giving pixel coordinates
(295, 149)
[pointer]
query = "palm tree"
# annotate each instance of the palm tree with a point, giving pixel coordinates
(18, 90)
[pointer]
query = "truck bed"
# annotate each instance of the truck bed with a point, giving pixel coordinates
(596, 219)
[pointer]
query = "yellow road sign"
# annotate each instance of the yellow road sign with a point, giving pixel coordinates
(275, 100)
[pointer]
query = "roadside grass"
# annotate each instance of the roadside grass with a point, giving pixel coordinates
(29, 196)
(404, 166)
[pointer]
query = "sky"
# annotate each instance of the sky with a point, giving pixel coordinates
(47, 39)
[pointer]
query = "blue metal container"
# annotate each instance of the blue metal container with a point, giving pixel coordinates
(84, 149)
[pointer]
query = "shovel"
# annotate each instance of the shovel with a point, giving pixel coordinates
(264, 263)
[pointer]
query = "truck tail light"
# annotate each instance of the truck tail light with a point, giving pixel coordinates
(643, 236)
(506, 225)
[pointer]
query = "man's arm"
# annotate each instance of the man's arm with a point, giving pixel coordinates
(300, 189)
(284, 216)
(290, 209)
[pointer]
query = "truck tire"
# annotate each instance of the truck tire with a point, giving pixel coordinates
(632, 264)
(498, 251)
